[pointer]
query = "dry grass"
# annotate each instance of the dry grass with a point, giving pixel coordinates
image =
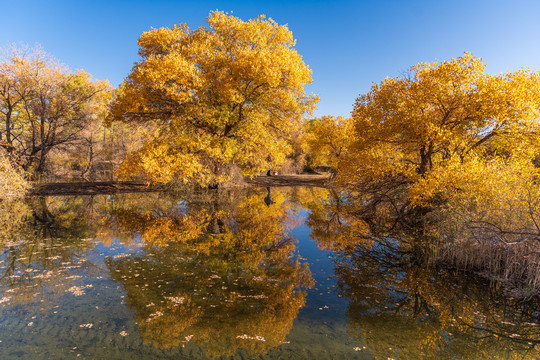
(506, 251)
(13, 185)
(516, 264)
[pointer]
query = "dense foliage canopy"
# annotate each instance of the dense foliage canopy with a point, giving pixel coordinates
(327, 140)
(447, 128)
(226, 94)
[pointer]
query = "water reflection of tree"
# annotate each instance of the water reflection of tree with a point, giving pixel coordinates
(42, 243)
(399, 307)
(217, 270)
(333, 226)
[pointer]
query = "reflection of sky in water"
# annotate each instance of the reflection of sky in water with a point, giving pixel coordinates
(57, 300)
(322, 299)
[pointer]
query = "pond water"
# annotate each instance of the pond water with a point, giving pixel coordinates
(260, 273)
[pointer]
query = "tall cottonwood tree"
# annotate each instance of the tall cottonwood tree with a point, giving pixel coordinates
(43, 106)
(453, 150)
(449, 128)
(226, 94)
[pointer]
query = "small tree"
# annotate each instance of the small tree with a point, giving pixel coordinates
(328, 139)
(44, 106)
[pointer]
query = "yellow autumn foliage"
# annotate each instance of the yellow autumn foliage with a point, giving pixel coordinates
(227, 94)
(449, 129)
(327, 140)
(454, 151)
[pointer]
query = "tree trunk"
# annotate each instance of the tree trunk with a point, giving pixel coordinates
(425, 159)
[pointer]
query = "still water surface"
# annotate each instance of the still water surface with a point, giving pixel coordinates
(264, 274)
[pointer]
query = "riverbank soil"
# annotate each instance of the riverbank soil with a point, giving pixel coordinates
(291, 180)
(92, 188)
(112, 187)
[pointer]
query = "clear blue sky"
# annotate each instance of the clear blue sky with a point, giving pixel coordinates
(348, 44)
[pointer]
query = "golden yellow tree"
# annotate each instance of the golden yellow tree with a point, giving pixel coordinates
(327, 140)
(445, 127)
(226, 94)
(454, 139)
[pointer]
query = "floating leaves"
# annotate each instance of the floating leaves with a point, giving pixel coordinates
(247, 337)
(78, 290)
(176, 299)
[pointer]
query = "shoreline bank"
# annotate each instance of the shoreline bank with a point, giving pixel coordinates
(112, 187)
